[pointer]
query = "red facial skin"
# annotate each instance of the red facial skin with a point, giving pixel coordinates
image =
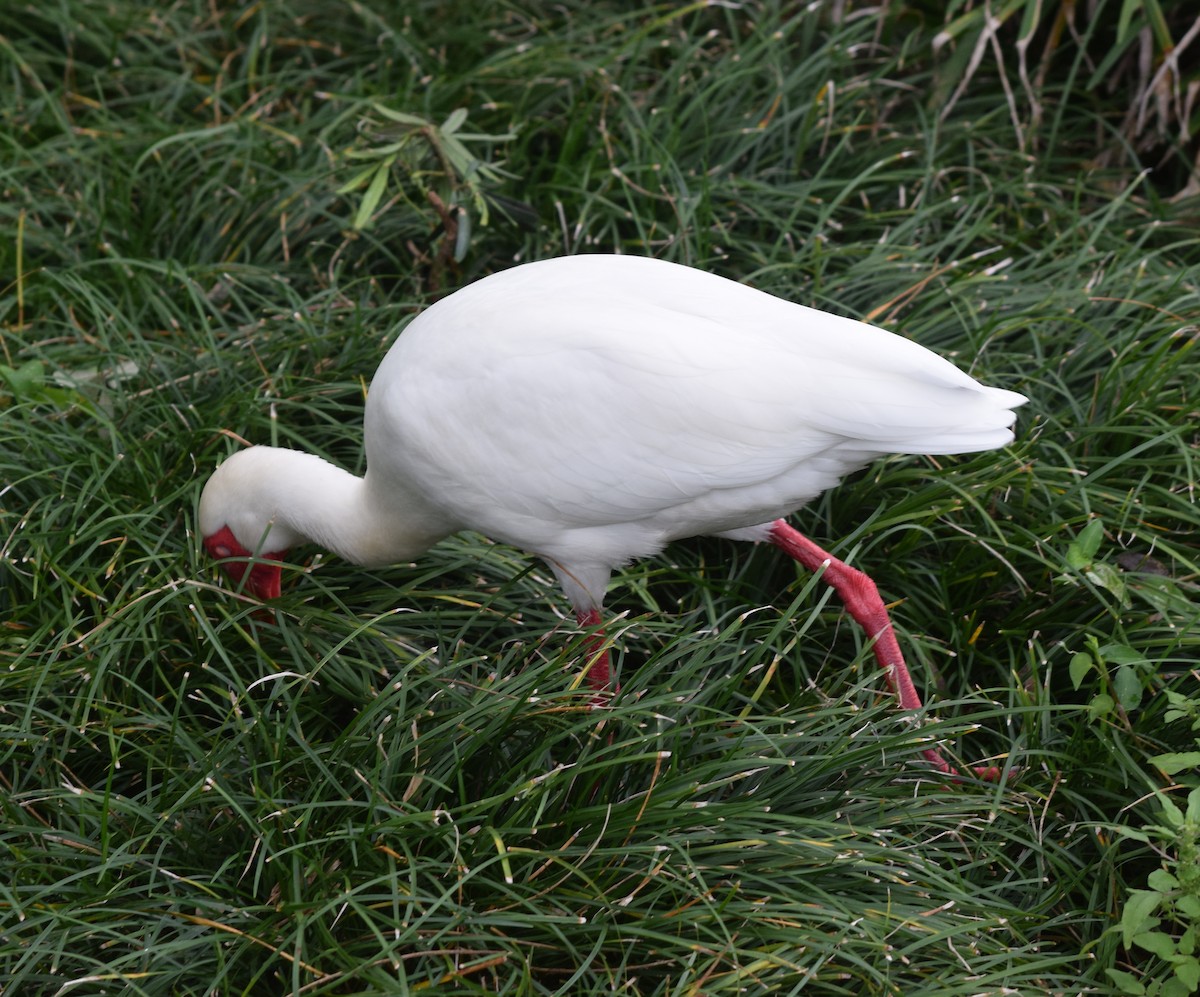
(261, 578)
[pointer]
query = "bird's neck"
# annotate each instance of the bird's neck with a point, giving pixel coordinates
(356, 518)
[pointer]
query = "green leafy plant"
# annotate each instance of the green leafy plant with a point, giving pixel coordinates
(415, 160)
(88, 390)
(30, 383)
(1081, 557)
(1124, 676)
(1164, 920)
(1124, 673)
(1184, 765)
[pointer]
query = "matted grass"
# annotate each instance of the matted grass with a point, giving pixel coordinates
(397, 785)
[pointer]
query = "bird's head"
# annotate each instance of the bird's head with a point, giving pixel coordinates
(238, 522)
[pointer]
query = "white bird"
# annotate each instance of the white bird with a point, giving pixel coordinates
(590, 410)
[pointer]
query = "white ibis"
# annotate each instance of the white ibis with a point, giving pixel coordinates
(592, 409)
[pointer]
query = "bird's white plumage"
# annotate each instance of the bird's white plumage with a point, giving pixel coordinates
(591, 409)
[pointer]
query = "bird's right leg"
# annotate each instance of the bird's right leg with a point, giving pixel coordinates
(863, 602)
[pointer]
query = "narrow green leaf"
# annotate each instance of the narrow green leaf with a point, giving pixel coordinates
(379, 151)
(357, 180)
(1104, 69)
(459, 156)
(454, 121)
(462, 240)
(1131, 833)
(484, 137)
(1030, 20)
(1158, 24)
(1125, 18)
(400, 116)
(372, 197)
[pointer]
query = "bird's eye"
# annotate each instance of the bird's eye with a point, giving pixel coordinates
(220, 550)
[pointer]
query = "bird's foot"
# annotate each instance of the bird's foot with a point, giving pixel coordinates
(984, 773)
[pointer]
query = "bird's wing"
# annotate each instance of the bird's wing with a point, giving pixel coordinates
(663, 393)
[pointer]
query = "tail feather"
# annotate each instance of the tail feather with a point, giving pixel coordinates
(983, 423)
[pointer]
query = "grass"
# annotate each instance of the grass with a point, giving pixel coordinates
(397, 786)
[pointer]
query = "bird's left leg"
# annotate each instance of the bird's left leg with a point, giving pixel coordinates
(584, 585)
(863, 602)
(598, 669)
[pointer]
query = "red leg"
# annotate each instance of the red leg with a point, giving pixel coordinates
(862, 600)
(599, 669)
